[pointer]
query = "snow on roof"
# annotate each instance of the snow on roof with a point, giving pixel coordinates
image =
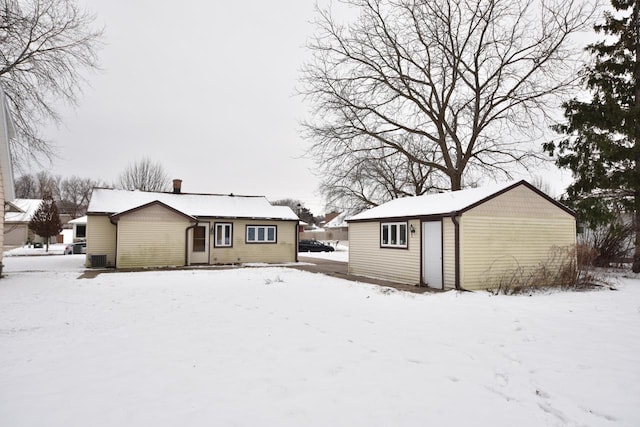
(203, 205)
(338, 221)
(79, 220)
(28, 208)
(432, 204)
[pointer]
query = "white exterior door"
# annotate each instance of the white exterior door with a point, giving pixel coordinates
(199, 244)
(432, 254)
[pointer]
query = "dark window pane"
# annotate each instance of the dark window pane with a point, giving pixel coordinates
(199, 239)
(403, 235)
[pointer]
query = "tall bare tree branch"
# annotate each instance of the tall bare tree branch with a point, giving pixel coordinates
(144, 175)
(454, 86)
(45, 45)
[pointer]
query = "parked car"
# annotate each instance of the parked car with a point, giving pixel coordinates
(313, 246)
(76, 248)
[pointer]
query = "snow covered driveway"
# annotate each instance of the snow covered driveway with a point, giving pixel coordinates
(277, 346)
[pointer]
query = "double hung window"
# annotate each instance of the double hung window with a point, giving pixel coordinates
(261, 234)
(223, 235)
(393, 235)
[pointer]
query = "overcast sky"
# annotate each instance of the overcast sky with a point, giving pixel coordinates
(206, 89)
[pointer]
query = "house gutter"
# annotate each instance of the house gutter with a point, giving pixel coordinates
(456, 238)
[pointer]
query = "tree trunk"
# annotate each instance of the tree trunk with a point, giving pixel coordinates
(456, 181)
(636, 143)
(636, 227)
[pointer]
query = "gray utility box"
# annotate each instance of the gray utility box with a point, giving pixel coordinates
(98, 261)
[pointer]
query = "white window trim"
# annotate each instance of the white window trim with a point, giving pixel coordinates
(266, 234)
(389, 226)
(227, 232)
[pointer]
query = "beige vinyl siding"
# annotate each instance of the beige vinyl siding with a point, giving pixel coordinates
(101, 238)
(448, 253)
(367, 258)
(494, 247)
(517, 229)
(15, 234)
(520, 201)
(284, 250)
(152, 237)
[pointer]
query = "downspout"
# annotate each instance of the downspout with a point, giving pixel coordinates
(186, 242)
(115, 252)
(456, 238)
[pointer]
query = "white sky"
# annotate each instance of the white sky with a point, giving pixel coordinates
(206, 89)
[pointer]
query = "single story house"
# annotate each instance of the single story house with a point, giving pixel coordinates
(137, 229)
(337, 228)
(17, 215)
(79, 227)
(467, 239)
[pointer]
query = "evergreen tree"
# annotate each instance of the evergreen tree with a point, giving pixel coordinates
(602, 143)
(46, 220)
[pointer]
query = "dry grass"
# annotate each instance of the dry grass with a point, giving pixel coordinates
(567, 269)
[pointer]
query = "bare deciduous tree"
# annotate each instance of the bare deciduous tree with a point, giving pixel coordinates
(144, 175)
(456, 87)
(74, 195)
(44, 46)
(26, 187)
(37, 186)
(355, 181)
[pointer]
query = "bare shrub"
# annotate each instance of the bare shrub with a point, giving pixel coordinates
(586, 255)
(613, 242)
(564, 269)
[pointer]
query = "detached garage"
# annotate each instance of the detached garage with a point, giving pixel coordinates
(465, 239)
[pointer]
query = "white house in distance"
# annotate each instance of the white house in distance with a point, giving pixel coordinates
(79, 228)
(137, 229)
(18, 214)
(465, 239)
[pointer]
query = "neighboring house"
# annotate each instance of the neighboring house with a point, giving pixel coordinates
(7, 189)
(136, 229)
(79, 226)
(466, 239)
(18, 214)
(337, 228)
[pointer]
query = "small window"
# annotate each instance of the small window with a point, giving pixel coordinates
(393, 235)
(223, 236)
(199, 239)
(261, 234)
(81, 230)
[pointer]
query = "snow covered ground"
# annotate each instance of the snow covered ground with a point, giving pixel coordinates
(277, 346)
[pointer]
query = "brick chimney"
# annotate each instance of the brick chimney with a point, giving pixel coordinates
(177, 186)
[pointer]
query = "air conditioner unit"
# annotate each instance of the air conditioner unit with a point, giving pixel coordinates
(98, 261)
